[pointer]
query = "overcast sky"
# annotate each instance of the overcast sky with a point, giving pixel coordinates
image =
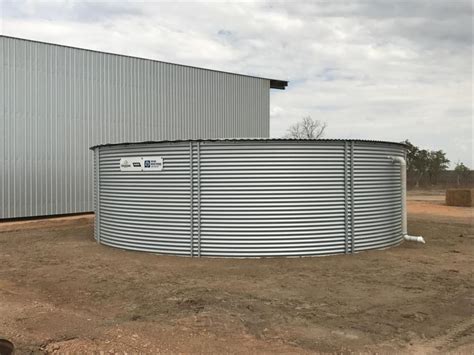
(385, 70)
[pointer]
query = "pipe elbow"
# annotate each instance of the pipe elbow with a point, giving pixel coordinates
(399, 160)
(411, 238)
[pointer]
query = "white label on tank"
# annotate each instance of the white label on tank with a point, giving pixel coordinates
(152, 163)
(131, 164)
(141, 164)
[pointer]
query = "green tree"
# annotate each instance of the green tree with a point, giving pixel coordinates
(437, 163)
(420, 165)
(411, 157)
(423, 164)
(462, 173)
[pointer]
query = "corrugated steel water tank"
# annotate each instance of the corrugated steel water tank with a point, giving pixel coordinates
(248, 197)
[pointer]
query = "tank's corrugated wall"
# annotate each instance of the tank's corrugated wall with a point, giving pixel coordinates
(377, 196)
(272, 198)
(253, 198)
(56, 102)
(146, 211)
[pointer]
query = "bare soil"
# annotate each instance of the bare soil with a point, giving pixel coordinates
(434, 207)
(62, 292)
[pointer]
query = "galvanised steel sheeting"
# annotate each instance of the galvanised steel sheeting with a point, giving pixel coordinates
(146, 211)
(377, 197)
(251, 198)
(56, 101)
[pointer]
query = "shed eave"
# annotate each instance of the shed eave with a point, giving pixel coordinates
(278, 84)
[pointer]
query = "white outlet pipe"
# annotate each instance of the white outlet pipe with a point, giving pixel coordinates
(403, 176)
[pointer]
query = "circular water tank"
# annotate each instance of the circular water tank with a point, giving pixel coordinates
(248, 197)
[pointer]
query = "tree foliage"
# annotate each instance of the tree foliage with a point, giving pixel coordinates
(462, 173)
(425, 164)
(437, 163)
(307, 128)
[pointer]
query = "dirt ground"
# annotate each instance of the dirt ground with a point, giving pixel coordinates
(62, 292)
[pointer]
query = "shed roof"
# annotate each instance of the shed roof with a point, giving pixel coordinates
(274, 83)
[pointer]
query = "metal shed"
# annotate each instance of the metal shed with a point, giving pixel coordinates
(249, 197)
(56, 101)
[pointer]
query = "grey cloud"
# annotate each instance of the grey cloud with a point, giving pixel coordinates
(225, 33)
(72, 11)
(427, 23)
(380, 9)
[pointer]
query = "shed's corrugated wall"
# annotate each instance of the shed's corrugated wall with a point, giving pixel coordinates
(56, 102)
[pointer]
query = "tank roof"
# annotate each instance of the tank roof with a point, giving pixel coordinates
(249, 140)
